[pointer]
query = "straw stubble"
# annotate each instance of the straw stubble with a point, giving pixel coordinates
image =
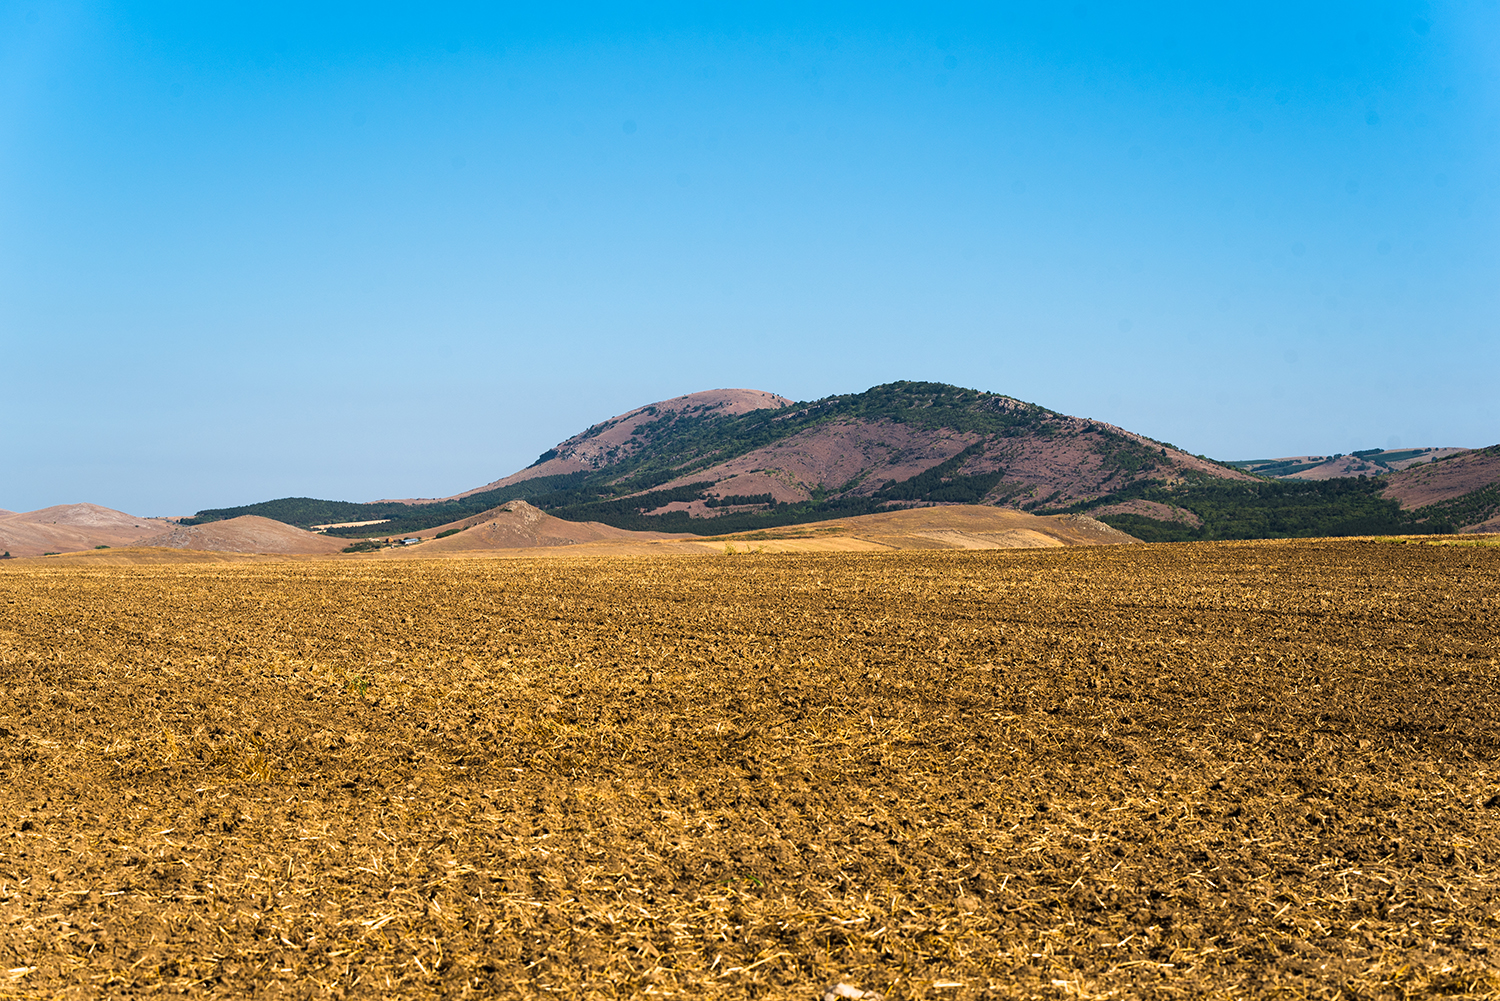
(1209, 770)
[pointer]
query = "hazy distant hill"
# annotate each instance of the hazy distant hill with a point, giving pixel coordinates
(70, 527)
(737, 459)
(1365, 462)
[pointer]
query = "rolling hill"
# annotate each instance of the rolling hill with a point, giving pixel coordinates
(245, 534)
(519, 525)
(71, 527)
(521, 529)
(1463, 490)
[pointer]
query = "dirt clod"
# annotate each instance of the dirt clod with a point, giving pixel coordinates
(937, 774)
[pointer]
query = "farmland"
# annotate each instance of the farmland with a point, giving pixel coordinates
(1204, 769)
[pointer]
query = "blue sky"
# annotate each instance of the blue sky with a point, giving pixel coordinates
(367, 251)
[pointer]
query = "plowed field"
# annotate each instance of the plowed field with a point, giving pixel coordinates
(1165, 771)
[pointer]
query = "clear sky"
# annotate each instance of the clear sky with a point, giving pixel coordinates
(367, 251)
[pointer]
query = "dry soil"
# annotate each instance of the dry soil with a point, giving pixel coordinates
(1217, 770)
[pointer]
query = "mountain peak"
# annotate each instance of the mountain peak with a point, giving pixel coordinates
(746, 453)
(619, 438)
(732, 460)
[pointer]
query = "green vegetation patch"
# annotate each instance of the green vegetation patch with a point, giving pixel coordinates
(395, 518)
(1270, 509)
(1285, 467)
(740, 500)
(1470, 509)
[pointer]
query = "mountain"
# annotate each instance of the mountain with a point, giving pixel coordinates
(1426, 491)
(70, 527)
(1455, 488)
(892, 446)
(736, 460)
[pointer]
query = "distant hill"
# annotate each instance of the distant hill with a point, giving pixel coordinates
(675, 466)
(1453, 488)
(1366, 462)
(1462, 490)
(519, 528)
(1434, 490)
(519, 525)
(245, 534)
(66, 528)
(744, 460)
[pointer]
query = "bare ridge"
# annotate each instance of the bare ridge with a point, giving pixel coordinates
(70, 527)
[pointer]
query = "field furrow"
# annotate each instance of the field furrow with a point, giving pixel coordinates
(1198, 770)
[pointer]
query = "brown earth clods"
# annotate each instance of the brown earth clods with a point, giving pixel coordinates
(1207, 770)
